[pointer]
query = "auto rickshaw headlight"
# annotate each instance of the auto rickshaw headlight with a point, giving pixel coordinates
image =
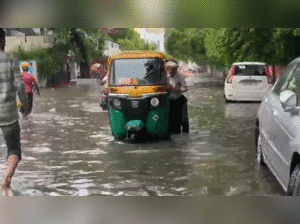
(117, 103)
(154, 102)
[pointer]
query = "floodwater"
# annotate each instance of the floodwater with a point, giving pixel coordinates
(68, 149)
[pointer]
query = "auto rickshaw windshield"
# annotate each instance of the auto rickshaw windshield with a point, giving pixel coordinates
(137, 71)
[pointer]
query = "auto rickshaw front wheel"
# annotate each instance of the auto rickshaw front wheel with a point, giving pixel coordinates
(134, 137)
(137, 137)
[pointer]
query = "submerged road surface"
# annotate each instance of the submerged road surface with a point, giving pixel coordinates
(68, 149)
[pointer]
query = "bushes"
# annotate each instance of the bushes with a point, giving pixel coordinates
(49, 62)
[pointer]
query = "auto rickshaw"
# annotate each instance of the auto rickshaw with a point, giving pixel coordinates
(138, 101)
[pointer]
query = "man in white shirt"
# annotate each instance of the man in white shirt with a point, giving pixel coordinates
(178, 102)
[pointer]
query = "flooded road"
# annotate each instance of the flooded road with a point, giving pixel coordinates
(68, 149)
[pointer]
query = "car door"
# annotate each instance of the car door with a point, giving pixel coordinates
(280, 129)
(290, 124)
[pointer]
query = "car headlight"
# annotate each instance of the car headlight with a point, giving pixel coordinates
(117, 103)
(154, 102)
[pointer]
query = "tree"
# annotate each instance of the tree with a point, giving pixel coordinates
(178, 44)
(270, 45)
(199, 51)
(85, 43)
(249, 44)
(214, 39)
(130, 40)
(221, 47)
(188, 44)
(122, 33)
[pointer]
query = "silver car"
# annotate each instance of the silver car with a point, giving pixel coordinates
(278, 130)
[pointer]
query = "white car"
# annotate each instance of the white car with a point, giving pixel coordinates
(248, 81)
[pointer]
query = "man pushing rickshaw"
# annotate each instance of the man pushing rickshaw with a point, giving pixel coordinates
(142, 98)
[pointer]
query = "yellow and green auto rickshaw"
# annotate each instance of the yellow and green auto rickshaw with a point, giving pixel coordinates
(138, 101)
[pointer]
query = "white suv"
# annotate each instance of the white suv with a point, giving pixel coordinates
(248, 81)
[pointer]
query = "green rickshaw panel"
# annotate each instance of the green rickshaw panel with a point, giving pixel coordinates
(117, 123)
(157, 121)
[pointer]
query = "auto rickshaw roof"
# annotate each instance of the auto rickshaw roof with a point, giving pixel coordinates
(140, 54)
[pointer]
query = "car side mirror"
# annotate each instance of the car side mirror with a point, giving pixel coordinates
(288, 100)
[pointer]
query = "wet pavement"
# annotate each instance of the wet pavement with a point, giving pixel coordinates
(68, 149)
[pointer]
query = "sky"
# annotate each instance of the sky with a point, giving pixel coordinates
(157, 38)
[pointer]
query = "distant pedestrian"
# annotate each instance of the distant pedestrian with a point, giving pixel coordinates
(30, 82)
(10, 83)
(68, 71)
(104, 93)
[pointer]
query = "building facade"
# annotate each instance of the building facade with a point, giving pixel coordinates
(28, 42)
(111, 48)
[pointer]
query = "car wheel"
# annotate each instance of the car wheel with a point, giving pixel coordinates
(259, 155)
(226, 100)
(294, 183)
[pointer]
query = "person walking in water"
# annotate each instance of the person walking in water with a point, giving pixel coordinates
(29, 81)
(178, 115)
(10, 83)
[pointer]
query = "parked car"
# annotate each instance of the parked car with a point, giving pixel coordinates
(247, 81)
(278, 130)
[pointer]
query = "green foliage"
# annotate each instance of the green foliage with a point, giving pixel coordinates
(248, 44)
(93, 42)
(47, 60)
(189, 44)
(134, 44)
(214, 46)
(122, 33)
(130, 40)
(90, 46)
(151, 46)
(271, 45)
(50, 60)
(296, 32)
(178, 44)
(221, 47)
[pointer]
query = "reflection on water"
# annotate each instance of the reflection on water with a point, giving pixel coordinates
(68, 149)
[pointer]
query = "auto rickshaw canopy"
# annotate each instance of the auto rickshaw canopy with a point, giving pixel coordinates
(136, 91)
(141, 54)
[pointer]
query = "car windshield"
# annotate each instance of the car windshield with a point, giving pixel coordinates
(137, 71)
(250, 70)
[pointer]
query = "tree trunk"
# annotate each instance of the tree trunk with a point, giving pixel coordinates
(84, 70)
(84, 67)
(209, 70)
(274, 73)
